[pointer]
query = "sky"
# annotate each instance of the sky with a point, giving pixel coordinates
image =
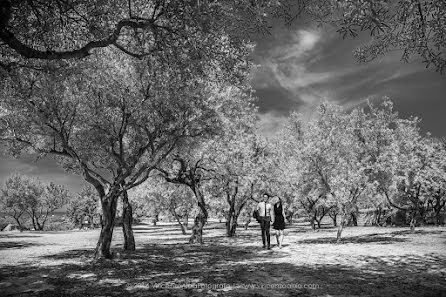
(298, 68)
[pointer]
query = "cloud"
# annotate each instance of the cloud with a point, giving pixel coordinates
(295, 76)
(296, 45)
(46, 170)
(285, 67)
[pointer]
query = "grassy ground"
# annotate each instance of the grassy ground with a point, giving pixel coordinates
(370, 262)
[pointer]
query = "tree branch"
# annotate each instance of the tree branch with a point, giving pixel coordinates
(28, 52)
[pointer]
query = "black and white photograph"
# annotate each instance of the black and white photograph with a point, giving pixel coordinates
(223, 148)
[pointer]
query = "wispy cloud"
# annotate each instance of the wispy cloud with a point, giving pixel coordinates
(286, 65)
(297, 45)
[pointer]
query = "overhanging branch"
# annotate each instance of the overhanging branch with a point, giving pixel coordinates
(28, 52)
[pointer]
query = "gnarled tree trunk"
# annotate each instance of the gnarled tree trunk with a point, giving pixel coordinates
(108, 204)
(127, 220)
(231, 223)
(203, 216)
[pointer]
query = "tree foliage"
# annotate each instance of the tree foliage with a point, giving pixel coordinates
(24, 195)
(73, 29)
(111, 120)
(84, 204)
(157, 197)
(367, 156)
(54, 30)
(414, 27)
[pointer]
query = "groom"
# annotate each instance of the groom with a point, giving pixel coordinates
(266, 216)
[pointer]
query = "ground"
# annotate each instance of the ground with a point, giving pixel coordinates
(370, 262)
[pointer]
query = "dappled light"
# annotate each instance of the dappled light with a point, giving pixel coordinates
(222, 148)
(370, 261)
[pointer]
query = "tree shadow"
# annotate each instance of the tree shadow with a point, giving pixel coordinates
(16, 245)
(423, 232)
(147, 227)
(327, 227)
(158, 231)
(79, 254)
(363, 239)
(222, 270)
(15, 235)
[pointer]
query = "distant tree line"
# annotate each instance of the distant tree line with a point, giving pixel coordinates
(24, 197)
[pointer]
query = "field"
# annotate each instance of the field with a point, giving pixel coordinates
(370, 262)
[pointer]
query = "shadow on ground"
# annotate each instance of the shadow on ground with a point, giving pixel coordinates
(374, 238)
(15, 235)
(423, 232)
(16, 245)
(216, 265)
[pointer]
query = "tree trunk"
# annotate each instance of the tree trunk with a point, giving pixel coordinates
(16, 217)
(312, 222)
(202, 206)
(333, 214)
(127, 220)
(318, 223)
(228, 225)
(289, 217)
(177, 218)
(155, 219)
(438, 218)
(413, 222)
(33, 220)
(91, 221)
(231, 220)
(340, 228)
(378, 215)
(35, 226)
(202, 221)
(108, 205)
(186, 220)
(437, 209)
(197, 229)
(353, 220)
(247, 223)
(19, 224)
(38, 224)
(231, 224)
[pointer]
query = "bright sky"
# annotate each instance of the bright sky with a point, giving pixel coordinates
(297, 69)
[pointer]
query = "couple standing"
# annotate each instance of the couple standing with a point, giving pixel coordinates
(268, 214)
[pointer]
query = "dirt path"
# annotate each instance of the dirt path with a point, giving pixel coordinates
(369, 262)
